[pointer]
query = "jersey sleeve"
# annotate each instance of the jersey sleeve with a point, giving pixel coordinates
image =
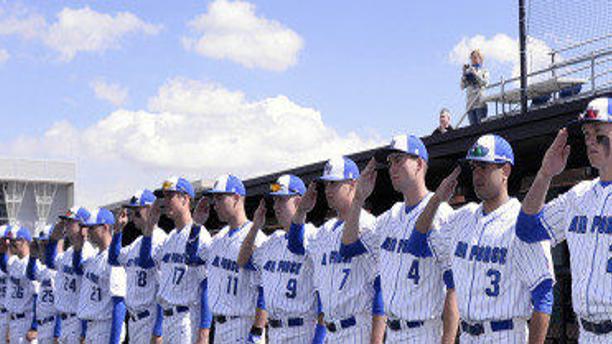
(372, 238)
(441, 236)
(204, 242)
(554, 217)
(532, 262)
(117, 281)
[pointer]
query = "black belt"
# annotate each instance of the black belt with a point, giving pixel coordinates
(291, 322)
(3, 310)
(343, 324)
(16, 316)
(175, 310)
(140, 316)
(476, 329)
(222, 318)
(396, 325)
(41, 322)
(65, 316)
(599, 328)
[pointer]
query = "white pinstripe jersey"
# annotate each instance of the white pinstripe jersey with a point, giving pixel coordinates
(20, 291)
(45, 288)
(231, 289)
(345, 285)
(67, 281)
(583, 217)
(142, 284)
(100, 283)
(179, 283)
(3, 288)
(413, 288)
(494, 271)
(286, 277)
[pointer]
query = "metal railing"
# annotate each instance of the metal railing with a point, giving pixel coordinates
(565, 80)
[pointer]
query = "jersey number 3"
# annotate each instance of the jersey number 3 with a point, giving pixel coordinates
(493, 290)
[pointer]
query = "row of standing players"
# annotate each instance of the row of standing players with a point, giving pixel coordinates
(415, 274)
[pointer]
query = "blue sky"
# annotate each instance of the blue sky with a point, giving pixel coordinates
(370, 69)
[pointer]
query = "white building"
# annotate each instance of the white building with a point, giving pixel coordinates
(35, 192)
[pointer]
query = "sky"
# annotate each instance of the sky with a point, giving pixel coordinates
(137, 91)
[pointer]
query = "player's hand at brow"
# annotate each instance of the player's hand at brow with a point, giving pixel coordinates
(156, 340)
(259, 218)
(58, 231)
(309, 200)
(446, 189)
(202, 211)
(555, 159)
(153, 218)
(203, 335)
(122, 220)
(367, 181)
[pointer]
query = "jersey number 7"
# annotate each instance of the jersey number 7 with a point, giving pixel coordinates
(346, 273)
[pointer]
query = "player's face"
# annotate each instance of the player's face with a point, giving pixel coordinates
(597, 137)
(139, 215)
(97, 235)
(175, 203)
(403, 170)
(225, 205)
(339, 194)
(285, 207)
(18, 246)
(488, 179)
(73, 230)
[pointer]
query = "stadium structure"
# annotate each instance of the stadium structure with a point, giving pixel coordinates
(34, 192)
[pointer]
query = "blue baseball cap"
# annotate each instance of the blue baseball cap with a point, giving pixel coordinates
(78, 214)
(491, 149)
(228, 184)
(141, 199)
(598, 110)
(101, 216)
(45, 232)
(339, 169)
(20, 232)
(177, 184)
(287, 185)
(409, 144)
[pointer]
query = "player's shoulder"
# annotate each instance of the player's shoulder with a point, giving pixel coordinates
(469, 209)
(366, 219)
(394, 212)
(583, 188)
(221, 234)
(159, 235)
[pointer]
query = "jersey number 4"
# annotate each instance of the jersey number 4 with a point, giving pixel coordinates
(413, 273)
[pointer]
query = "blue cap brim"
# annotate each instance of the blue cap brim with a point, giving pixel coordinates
(280, 193)
(487, 161)
(332, 179)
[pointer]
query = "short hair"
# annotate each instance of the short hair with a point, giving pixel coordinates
(445, 111)
(477, 52)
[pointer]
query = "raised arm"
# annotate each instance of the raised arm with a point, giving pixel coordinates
(443, 194)
(115, 247)
(365, 186)
(248, 244)
(296, 231)
(145, 258)
(554, 163)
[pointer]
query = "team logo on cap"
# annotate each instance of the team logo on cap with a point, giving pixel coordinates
(591, 113)
(168, 184)
(479, 151)
(275, 187)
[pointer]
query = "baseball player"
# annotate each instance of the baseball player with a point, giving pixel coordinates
(3, 285)
(412, 281)
(183, 287)
(102, 293)
(347, 287)
(145, 315)
(580, 217)
(21, 291)
(68, 279)
(286, 278)
(233, 299)
(47, 320)
(500, 281)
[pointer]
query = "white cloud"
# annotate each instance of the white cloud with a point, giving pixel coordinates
(4, 55)
(111, 92)
(189, 128)
(77, 30)
(502, 52)
(231, 30)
